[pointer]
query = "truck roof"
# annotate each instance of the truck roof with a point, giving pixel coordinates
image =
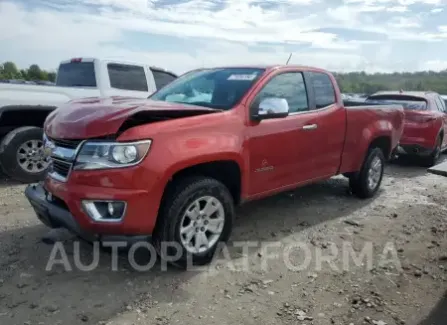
(116, 60)
(269, 67)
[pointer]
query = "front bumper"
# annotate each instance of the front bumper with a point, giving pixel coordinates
(54, 213)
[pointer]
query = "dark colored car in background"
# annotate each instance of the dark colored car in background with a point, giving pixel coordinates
(425, 122)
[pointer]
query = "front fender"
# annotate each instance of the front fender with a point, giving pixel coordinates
(188, 151)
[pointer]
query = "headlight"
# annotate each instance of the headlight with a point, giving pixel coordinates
(104, 155)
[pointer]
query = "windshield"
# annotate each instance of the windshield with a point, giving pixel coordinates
(408, 102)
(76, 74)
(213, 88)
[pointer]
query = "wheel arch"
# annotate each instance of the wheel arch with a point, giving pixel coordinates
(382, 142)
(227, 171)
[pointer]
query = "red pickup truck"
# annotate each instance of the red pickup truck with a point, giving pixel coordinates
(172, 168)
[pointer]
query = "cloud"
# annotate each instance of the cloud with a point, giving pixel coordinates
(434, 65)
(404, 22)
(184, 34)
(437, 10)
(397, 9)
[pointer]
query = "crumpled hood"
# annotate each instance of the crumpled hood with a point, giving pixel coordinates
(97, 117)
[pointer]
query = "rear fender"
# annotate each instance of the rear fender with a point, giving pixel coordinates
(357, 149)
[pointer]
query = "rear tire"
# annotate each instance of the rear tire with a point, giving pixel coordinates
(22, 157)
(366, 182)
(183, 210)
(431, 160)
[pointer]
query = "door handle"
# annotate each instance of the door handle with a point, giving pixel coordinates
(310, 127)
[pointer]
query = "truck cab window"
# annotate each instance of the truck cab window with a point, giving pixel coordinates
(162, 78)
(127, 77)
(289, 86)
(76, 74)
(323, 89)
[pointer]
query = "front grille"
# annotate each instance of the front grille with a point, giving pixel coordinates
(66, 143)
(61, 168)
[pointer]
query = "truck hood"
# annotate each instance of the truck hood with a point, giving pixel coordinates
(98, 117)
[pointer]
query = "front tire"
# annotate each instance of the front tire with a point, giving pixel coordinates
(196, 216)
(22, 156)
(366, 183)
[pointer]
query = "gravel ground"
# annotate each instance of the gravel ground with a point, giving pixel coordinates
(402, 281)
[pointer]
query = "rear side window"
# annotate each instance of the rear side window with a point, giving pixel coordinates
(127, 77)
(408, 102)
(162, 78)
(440, 103)
(76, 74)
(323, 89)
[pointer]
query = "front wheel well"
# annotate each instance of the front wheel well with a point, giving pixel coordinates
(227, 172)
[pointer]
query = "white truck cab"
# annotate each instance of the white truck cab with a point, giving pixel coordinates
(24, 108)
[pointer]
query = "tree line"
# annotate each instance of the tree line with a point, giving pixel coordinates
(361, 82)
(9, 70)
(352, 82)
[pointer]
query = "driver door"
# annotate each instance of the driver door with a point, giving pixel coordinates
(281, 149)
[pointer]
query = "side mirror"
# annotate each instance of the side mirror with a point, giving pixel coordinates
(271, 107)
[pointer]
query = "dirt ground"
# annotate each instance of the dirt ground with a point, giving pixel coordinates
(405, 228)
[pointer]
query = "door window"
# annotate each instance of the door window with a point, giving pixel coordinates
(162, 78)
(127, 77)
(291, 87)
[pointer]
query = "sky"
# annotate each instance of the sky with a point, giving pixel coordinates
(179, 35)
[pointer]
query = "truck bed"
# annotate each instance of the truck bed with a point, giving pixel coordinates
(362, 119)
(33, 95)
(350, 104)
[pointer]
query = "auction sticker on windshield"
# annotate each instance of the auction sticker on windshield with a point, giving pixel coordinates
(248, 77)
